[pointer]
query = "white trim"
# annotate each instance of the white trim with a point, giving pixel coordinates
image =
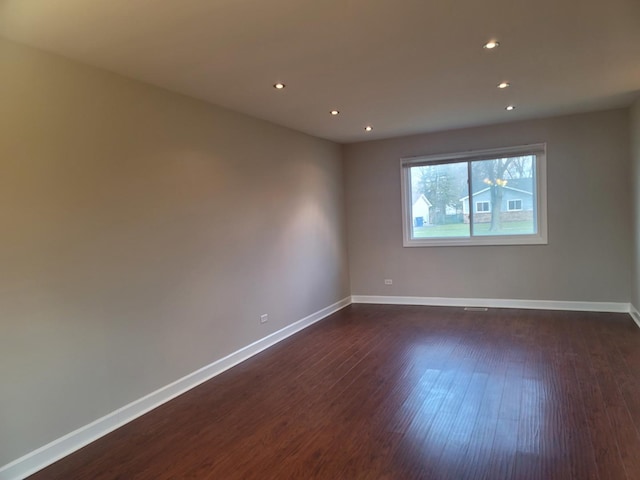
(63, 446)
(611, 307)
(507, 187)
(488, 154)
(633, 311)
(477, 241)
(405, 188)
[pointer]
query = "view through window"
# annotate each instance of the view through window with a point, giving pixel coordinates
(490, 197)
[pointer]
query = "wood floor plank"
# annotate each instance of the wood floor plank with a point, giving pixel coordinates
(627, 439)
(602, 433)
(401, 392)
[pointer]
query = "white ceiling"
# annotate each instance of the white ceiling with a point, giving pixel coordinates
(403, 66)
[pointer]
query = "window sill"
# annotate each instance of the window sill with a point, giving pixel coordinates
(485, 240)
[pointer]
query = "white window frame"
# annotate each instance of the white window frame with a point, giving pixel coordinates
(483, 202)
(539, 238)
(514, 209)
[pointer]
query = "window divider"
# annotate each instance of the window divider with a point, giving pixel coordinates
(471, 200)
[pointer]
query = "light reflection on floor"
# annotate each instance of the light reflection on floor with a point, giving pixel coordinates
(459, 393)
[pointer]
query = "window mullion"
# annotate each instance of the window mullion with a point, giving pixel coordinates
(471, 200)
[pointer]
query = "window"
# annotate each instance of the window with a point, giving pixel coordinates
(482, 206)
(507, 187)
(514, 205)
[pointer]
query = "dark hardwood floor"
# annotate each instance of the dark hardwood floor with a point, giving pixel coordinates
(400, 392)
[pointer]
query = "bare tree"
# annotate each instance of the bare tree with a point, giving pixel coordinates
(441, 184)
(521, 167)
(493, 173)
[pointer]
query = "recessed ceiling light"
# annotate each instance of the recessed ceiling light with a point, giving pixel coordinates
(368, 128)
(510, 107)
(504, 85)
(279, 86)
(490, 45)
(334, 112)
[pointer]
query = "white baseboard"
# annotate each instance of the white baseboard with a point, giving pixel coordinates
(63, 446)
(613, 307)
(633, 311)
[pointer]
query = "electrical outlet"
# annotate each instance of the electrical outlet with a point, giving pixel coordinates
(264, 318)
(388, 281)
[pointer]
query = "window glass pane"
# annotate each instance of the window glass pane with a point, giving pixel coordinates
(504, 196)
(436, 200)
(514, 205)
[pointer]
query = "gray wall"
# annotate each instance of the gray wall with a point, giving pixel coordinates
(143, 233)
(589, 193)
(635, 177)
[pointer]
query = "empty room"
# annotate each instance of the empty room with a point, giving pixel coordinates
(320, 240)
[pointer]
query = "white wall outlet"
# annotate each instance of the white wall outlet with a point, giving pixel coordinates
(388, 281)
(264, 318)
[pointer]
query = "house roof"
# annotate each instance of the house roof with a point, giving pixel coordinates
(417, 196)
(380, 63)
(521, 185)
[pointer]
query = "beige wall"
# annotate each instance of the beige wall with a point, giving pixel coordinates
(589, 194)
(635, 177)
(143, 233)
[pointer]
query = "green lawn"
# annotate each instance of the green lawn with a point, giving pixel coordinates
(462, 229)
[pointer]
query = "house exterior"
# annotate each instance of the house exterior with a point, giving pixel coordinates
(421, 210)
(517, 202)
